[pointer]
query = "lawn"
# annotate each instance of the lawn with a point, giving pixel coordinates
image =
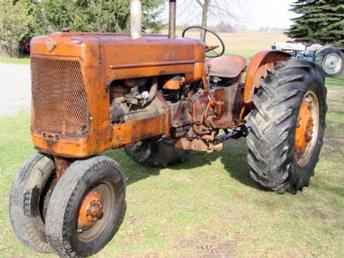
(208, 207)
(12, 60)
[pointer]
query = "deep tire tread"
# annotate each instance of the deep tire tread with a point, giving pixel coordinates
(272, 126)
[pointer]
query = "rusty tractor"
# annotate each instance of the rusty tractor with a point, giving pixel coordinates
(160, 97)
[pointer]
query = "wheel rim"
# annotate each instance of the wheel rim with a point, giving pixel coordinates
(95, 211)
(307, 130)
(332, 63)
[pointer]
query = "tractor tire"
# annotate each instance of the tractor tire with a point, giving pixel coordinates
(331, 60)
(156, 153)
(287, 126)
(86, 207)
(26, 202)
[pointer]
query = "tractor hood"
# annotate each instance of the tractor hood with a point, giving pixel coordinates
(117, 51)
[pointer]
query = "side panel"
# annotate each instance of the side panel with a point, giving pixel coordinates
(150, 57)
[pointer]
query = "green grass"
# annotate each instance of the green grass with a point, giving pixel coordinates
(12, 60)
(335, 82)
(208, 206)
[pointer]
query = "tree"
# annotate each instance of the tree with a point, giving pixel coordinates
(205, 10)
(22, 19)
(16, 23)
(215, 7)
(97, 15)
(319, 21)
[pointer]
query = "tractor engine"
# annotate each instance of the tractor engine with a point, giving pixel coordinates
(197, 112)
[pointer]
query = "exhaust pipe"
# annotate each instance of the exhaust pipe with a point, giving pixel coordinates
(135, 19)
(172, 20)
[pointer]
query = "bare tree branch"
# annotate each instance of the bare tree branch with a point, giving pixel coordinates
(220, 8)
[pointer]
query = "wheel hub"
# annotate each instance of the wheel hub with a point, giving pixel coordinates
(307, 128)
(332, 63)
(91, 210)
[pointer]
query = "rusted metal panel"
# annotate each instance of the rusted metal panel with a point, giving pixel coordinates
(65, 147)
(58, 98)
(151, 56)
(136, 130)
(227, 66)
(205, 113)
(257, 68)
(174, 83)
(231, 108)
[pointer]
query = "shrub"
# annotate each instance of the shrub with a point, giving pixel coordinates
(22, 19)
(14, 26)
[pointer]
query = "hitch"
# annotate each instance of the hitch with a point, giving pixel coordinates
(235, 133)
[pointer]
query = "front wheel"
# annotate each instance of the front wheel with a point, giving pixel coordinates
(287, 126)
(86, 207)
(28, 197)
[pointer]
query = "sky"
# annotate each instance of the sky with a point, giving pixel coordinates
(253, 14)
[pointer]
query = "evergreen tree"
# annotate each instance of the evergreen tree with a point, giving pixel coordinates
(319, 21)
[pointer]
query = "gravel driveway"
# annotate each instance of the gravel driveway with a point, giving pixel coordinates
(15, 92)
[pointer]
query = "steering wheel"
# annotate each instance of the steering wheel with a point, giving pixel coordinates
(212, 51)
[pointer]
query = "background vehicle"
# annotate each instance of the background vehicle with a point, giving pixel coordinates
(330, 58)
(159, 97)
(24, 46)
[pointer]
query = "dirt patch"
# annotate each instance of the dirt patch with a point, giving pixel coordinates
(206, 245)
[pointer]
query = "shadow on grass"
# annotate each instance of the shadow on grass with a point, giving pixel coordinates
(233, 159)
(132, 170)
(235, 163)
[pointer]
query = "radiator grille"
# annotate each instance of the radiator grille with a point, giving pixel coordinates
(58, 97)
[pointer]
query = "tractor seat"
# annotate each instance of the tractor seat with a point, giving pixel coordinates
(226, 66)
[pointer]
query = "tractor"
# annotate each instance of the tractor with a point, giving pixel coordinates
(159, 97)
(330, 58)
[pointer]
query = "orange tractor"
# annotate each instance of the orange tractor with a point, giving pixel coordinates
(159, 97)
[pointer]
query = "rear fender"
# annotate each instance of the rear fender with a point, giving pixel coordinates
(257, 69)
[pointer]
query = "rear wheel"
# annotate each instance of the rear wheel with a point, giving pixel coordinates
(286, 129)
(86, 208)
(27, 198)
(331, 60)
(156, 153)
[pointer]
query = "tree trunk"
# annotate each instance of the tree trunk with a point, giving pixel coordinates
(205, 10)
